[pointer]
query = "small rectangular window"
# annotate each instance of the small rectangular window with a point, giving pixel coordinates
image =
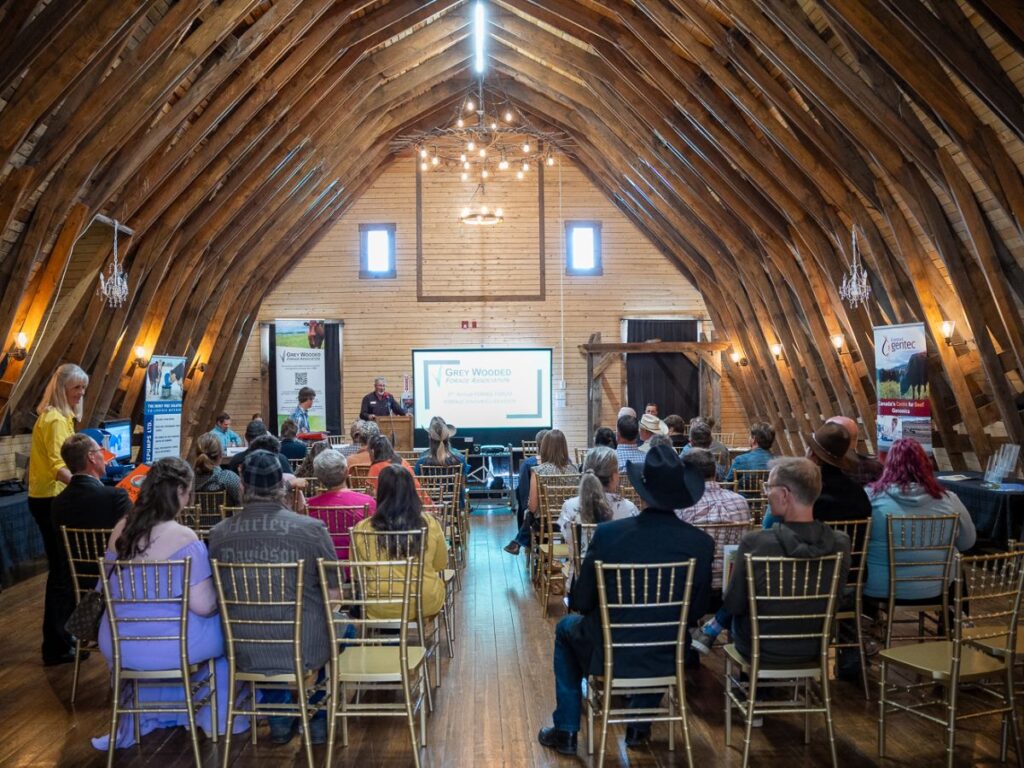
(376, 251)
(583, 247)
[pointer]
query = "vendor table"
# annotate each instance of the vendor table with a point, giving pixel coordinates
(998, 514)
(20, 540)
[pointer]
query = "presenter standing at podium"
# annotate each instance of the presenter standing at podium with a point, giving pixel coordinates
(380, 402)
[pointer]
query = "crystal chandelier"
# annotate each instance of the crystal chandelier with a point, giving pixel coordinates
(114, 289)
(855, 289)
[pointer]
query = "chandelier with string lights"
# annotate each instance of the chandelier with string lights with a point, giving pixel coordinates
(855, 289)
(114, 288)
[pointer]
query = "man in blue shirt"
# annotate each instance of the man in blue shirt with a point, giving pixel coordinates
(627, 430)
(223, 432)
(301, 414)
(762, 436)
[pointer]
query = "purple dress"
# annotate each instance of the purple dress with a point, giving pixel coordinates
(205, 641)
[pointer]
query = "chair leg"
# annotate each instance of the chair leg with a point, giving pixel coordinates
(113, 720)
(136, 719)
(826, 694)
(588, 702)
(302, 699)
(411, 718)
(751, 698)
(253, 729)
(606, 705)
(728, 701)
(78, 663)
(951, 695)
(807, 700)
(671, 714)
(686, 723)
(423, 719)
(332, 715)
(211, 691)
(881, 709)
(342, 709)
(1014, 725)
(190, 712)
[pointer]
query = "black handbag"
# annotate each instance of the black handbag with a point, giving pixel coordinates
(84, 622)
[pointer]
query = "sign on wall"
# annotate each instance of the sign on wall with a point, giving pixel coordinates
(901, 365)
(165, 376)
(299, 362)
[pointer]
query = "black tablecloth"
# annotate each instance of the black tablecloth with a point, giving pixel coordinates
(20, 540)
(997, 515)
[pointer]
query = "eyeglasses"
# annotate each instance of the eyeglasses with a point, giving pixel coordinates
(96, 450)
(766, 487)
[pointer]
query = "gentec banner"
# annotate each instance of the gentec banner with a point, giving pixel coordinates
(901, 365)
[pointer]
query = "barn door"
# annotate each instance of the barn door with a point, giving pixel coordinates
(670, 380)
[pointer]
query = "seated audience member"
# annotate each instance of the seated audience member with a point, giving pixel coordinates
(226, 436)
(257, 417)
(554, 460)
(652, 409)
(290, 447)
(265, 442)
(627, 429)
(150, 532)
(657, 440)
(793, 486)
(841, 498)
(861, 468)
(266, 531)
(399, 508)
(85, 502)
(676, 427)
(656, 535)
(625, 411)
(605, 436)
(762, 436)
(382, 454)
(717, 505)
(651, 425)
(523, 486)
(253, 429)
(301, 413)
(439, 452)
(210, 476)
(908, 488)
(700, 437)
(361, 437)
(352, 446)
(332, 471)
(306, 467)
(598, 500)
(717, 447)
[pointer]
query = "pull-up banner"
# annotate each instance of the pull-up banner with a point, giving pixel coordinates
(901, 365)
(299, 362)
(162, 408)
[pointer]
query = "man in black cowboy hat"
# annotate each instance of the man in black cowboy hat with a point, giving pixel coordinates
(655, 536)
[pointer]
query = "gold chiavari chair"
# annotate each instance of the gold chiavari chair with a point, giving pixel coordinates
(371, 545)
(339, 521)
(582, 533)
(750, 482)
(850, 606)
(921, 550)
(83, 546)
(446, 486)
(163, 586)
(371, 659)
(725, 438)
(581, 456)
(644, 610)
(261, 611)
(758, 506)
(359, 478)
(551, 548)
(529, 448)
(724, 534)
(975, 667)
(444, 515)
(311, 487)
(336, 440)
(209, 504)
(792, 600)
(628, 492)
(295, 464)
(193, 517)
(411, 456)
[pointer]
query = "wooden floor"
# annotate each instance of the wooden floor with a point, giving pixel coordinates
(496, 694)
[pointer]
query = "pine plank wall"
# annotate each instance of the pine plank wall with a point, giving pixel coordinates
(383, 320)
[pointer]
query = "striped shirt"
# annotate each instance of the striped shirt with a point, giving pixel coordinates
(629, 453)
(718, 505)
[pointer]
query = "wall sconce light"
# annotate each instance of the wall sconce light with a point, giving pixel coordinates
(20, 349)
(777, 351)
(201, 367)
(738, 359)
(838, 341)
(140, 357)
(948, 326)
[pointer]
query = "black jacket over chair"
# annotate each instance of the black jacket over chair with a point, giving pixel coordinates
(655, 536)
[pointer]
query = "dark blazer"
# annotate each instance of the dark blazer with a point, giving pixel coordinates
(655, 536)
(86, 503)
(842, 498)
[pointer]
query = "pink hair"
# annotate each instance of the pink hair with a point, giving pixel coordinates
(906, 463)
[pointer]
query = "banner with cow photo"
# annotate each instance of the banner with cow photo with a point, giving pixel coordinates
(299, 363)
(901, 365)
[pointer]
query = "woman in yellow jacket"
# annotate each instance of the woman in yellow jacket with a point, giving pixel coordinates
(47, 476)
(399, 509)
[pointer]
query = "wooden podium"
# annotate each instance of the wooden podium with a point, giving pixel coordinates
(398, 429)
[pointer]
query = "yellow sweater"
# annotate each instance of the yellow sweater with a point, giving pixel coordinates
(435, 560)
(48, 435)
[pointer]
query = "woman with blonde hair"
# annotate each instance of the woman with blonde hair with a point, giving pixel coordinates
(47, 475)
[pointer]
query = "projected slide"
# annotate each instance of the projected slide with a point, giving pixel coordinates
(483, 388)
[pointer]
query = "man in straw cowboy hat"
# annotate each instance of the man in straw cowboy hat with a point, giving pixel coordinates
(656, 535)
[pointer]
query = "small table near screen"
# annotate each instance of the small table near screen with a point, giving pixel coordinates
(20, 540)
(998, 514)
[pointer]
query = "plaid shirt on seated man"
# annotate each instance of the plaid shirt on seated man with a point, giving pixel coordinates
(717, 505)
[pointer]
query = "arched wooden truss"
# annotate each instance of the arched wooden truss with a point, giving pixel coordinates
(743, 137)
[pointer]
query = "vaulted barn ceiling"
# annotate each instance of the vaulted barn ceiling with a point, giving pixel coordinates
(743, 137)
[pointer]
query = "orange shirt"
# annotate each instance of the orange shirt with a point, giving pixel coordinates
(375, 470)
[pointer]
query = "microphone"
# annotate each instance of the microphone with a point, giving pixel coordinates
(389, 400)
